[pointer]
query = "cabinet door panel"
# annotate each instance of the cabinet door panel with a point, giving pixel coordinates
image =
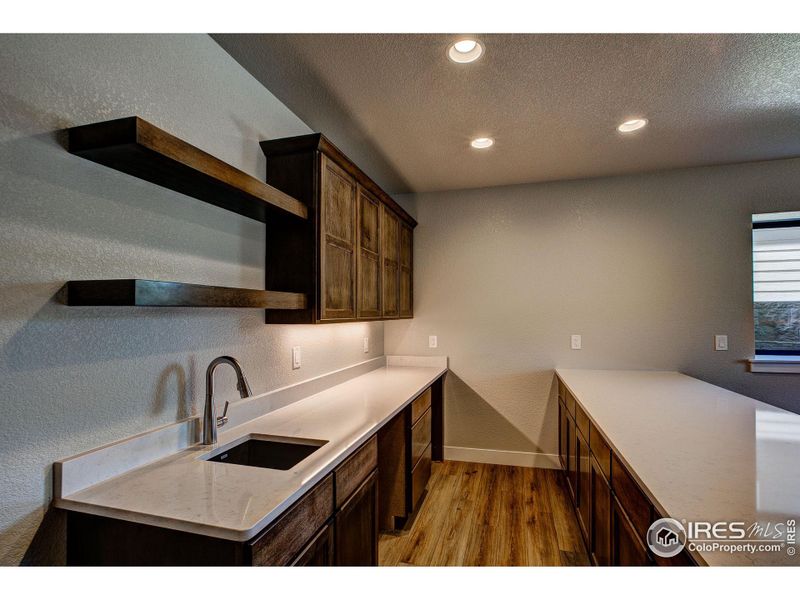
(406, 272)
(337, 243)
(338, 282)
(390, 238)
(582, 496)
(357, 527)
(572, 463)
(318, 552)
(600, 538)
(562, 434)
(631, 497)
(369, 257)
(627, 549)
(420, 437)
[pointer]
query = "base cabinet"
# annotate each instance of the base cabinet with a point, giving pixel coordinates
(628, 550)
(319, 551)
(405, 453)
(600, 507)
(612, 511)
(357, 527)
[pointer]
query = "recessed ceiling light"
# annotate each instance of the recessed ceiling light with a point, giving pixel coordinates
(631, 125)
(481, 143)
(465, 51)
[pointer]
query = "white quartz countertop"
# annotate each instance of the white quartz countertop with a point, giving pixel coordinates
(700, 452)
(235, 502)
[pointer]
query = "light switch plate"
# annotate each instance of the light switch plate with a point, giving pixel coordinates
(366, 344)
(720, 342)
(296, 357)
(575, 342)
(433, 341)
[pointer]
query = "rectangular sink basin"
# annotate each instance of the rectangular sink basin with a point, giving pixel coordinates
(268, 452)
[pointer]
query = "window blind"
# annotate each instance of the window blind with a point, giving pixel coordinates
(776, 264)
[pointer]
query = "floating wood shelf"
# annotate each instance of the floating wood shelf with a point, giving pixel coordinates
(134, 146)
(146, 292)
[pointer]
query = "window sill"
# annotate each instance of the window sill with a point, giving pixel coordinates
(774, 364)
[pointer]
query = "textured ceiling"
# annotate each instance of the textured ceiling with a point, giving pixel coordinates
(405, 113)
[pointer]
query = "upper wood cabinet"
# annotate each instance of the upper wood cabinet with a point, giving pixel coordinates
(353, 257)
(390, 272)
(337, 255)
(368, 286)
(406, 271)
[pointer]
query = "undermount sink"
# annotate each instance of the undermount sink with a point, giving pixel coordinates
(268, 452)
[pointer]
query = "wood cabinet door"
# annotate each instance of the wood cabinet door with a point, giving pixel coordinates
(319, 551)
(563, 436)
(583, 489)
(369, 256)
(337, 222)
(600, 520)
(390, 272)
(572, 463)
(406, 271)
(356, 531)
(627, 549)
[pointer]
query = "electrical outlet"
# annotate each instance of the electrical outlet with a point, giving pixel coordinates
(366, 344)
(720, 342)
(575, 342)
(433, 341)
(296, 357)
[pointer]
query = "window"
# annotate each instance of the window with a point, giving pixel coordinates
(776, 283)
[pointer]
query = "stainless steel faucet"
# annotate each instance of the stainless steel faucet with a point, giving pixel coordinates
(210, 419)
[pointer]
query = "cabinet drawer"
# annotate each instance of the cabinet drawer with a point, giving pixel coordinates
(355, 469)
(600, 451)
(582, 421)
(292, 532)
(420, 405)
(569, 400)
(631, 498)
(420, 476)
(420, 436)
(561, 390)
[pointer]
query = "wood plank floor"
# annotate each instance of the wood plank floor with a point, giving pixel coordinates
(478, 514)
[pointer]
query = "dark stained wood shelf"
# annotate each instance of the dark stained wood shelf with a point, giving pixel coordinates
(138, 148)
(147, 292)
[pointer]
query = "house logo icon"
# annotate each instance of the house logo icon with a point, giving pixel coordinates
(666, 538)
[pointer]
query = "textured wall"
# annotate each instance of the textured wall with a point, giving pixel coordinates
(71, 378)
(647, 268)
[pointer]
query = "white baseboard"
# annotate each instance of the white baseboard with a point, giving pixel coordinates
(512, 458)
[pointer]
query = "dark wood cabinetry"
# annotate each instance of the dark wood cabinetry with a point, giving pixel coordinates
(613, 512)
(357, 527)
(406, 271)
(390, 270)
(406, 450)
(353, 258)
(368, 288)
(337, 257)
(627, 547)
(319, 551)
(583, 488)
(600, 519)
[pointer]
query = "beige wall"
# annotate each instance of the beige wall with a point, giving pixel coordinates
(646, 268)
(75, 378)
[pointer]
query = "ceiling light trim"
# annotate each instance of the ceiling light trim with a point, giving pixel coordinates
(465, 51)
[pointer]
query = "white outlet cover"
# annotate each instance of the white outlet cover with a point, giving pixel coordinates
(296, 357)
(366, 344)
(433, 341)
(720, 342)
(575, 342)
